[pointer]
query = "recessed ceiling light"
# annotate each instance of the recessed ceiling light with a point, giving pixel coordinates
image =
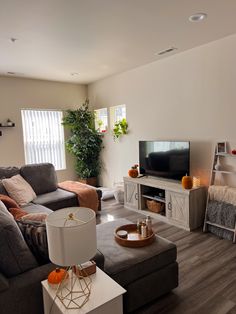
(198, 17)
(74, 74)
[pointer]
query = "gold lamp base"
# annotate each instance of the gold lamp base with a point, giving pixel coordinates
(75, 291)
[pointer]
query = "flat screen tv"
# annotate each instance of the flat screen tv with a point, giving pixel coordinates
(165, 159)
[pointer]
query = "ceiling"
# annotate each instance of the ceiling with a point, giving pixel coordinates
(98, 38)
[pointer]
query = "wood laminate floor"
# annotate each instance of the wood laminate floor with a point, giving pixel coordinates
(207, 268)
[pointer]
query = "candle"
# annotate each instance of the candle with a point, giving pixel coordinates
(196, 182)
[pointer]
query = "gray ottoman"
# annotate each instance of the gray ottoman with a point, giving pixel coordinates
(146, 273)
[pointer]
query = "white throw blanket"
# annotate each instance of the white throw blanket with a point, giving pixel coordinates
(222, 194)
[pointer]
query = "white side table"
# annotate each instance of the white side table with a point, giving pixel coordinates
(105, 298)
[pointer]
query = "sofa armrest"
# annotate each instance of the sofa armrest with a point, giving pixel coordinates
(4, 283)
(24, 294)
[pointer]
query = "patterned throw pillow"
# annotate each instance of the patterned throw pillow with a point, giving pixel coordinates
(36, 237)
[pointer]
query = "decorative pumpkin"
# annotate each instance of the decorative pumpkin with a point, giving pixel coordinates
(133, 172)
(187, 182)
(57, 276)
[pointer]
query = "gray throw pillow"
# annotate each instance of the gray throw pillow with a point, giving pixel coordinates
(36, 237)
(15, 256)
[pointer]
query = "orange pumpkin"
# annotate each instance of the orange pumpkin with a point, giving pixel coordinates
(57, 276)
(187, 182)
(133, 173)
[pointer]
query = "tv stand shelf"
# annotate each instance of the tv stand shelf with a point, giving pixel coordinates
(183, 208)
(155, 198)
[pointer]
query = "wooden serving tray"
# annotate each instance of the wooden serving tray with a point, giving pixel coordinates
(133, 239)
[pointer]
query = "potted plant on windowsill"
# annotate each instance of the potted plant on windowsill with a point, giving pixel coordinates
(85, 143)
(120, 128)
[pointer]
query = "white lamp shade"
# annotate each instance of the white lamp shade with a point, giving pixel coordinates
(71, 241)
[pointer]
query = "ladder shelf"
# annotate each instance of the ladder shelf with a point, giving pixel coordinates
(214, 171)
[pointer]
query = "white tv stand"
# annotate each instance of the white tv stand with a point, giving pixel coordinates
(183, 208)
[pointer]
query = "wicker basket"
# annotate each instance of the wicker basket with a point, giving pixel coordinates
(155, 206)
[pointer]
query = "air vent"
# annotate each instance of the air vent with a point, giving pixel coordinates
(166, 51)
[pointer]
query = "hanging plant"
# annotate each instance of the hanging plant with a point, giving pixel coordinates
(120, 128)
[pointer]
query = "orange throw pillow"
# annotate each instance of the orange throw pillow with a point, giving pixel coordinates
(8, 202)
(17, 213)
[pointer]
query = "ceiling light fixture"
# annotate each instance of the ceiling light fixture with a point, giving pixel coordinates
(197, 17)
(162, 52)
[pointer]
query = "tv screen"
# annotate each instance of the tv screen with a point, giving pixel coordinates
(166, 159)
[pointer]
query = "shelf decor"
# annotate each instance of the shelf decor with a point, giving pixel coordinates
(133, 172)
(187, 182)
(221, 148)
(7, 124)
(133, 239)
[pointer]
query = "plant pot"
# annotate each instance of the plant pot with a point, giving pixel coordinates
(90, 181)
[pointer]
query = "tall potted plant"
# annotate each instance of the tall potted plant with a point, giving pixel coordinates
(85, 142)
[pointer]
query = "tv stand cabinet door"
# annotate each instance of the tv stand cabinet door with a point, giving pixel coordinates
(131, 198)
(177, 209)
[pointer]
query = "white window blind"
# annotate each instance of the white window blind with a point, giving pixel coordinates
(43, 137)
(101, 119)
(117, 113)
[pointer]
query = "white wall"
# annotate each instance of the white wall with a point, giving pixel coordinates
(17, 93)
(189, 96)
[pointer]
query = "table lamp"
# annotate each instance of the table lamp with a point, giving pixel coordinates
(71, 234)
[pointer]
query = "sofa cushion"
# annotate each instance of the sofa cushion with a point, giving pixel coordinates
(125, 264)
(4, 283)
(42, 177)
(57, 199)
(15, 256)
(8, 172)
(19, 189)
(33, 208)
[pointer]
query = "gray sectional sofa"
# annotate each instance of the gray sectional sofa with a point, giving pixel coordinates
(21, 272)
(146, 273)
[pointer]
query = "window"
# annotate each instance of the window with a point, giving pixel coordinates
(43, 137)
(101, 119)
(117, 113)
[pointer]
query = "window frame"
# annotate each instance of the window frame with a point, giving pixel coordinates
(45, 151)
